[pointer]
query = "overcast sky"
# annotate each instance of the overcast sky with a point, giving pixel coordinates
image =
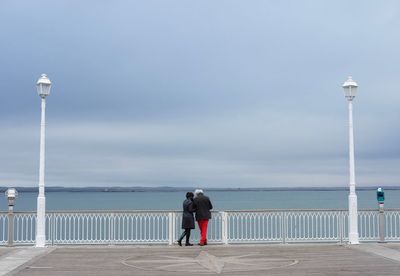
(199, 93)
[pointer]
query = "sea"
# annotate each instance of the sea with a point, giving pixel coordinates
(222, 200)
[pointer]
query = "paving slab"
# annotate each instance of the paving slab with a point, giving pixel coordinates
(5, 250)
(18, 257)
(315, 259)
(394, 246)
(380, 250)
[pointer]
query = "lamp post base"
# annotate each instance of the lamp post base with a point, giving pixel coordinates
(353, 216)
(40, 241)
(41, 221)
(353, 238)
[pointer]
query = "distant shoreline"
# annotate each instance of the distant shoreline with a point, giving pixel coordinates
(184, 189)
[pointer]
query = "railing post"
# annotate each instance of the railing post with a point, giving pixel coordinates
(112, 229)
(10, 226)
(381, 224)
(224, 227)
(340, 226)
(52, 228)
(284, 227)
(171, 228)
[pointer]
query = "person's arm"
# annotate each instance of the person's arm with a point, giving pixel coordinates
(191, 207)
(209, 204)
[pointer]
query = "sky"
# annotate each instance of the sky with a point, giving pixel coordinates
(199, 93)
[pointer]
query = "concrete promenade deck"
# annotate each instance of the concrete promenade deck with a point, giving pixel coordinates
(292, 259)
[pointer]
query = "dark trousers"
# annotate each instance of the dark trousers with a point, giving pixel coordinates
(187, 234)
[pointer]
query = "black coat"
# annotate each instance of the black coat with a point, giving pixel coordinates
(202, 205)
(187, 216)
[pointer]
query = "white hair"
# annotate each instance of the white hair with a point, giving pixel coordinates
(197, 192)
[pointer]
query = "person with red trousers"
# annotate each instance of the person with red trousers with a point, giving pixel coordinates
(202, 205)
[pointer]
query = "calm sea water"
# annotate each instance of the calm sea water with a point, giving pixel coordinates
(237, 200)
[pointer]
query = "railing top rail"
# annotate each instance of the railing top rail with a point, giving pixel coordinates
(97, 211)
(307, 210)
(284, 210)
(178, 211)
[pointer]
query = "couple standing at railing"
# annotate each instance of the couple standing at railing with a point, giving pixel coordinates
(201, 205)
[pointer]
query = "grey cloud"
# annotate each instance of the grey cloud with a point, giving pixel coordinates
(223, 92)
(256, 149)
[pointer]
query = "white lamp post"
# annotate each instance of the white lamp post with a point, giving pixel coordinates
(43, 89)
(350, 90)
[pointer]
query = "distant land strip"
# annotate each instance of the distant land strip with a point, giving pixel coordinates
(184, 189)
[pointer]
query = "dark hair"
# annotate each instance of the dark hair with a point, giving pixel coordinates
(189, 195)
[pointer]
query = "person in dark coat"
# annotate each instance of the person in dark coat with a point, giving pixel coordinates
(202, 205)
(187, 219)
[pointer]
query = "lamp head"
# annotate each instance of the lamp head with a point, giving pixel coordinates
(11, 194)
(350, 88)
(43, 86)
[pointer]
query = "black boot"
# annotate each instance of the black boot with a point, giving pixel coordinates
(181, 238)
(188, 238)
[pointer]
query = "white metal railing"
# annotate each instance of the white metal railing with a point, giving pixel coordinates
(163, 227)
(254, 226)
(368, 225)
(3, 228)
(392, 225)
(108, 227)
(314, 226)
(24, 228)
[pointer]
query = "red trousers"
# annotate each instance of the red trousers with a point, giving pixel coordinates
(203, 224)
